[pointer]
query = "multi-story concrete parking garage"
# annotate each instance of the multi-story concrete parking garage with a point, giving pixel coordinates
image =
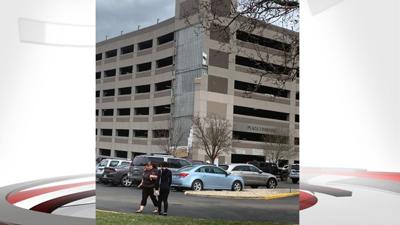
(153, 79)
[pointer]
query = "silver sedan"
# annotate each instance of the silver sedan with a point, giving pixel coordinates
(252, 176)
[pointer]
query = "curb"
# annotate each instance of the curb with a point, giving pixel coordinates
(281, 195)
(261, 197)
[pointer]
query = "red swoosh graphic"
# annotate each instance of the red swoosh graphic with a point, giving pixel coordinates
(375, 175)
(307, 200)
(391, 176)
(23, 195)
(51, 205)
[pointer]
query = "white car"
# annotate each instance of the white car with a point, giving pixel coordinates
(294, 173)
(109, 163)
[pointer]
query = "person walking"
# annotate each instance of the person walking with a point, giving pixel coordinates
(163, 185)
(148, 184)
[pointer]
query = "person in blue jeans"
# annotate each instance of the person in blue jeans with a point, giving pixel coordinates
(164, 180)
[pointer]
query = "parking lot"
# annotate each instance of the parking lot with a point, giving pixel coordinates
(284, 210)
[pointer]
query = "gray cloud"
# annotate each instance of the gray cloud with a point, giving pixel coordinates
(114, 16)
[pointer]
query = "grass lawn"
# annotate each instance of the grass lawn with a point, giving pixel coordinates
(112, 218)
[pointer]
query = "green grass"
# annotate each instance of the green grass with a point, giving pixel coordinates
(113, 218)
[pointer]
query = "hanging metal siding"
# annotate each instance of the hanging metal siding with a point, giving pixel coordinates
(189, 50)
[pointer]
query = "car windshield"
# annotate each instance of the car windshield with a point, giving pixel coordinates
(225, 167)
(156, 160)
(114, 163)
(122, 166)
(295, 167)
(140, 161)
(103, 162)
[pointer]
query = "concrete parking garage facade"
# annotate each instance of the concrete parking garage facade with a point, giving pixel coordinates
(152, 79)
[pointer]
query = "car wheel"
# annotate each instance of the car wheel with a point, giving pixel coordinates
(254, 186)
(126, 182)
(197, 185)
(272, 183)
(294, 181)
(237, 186)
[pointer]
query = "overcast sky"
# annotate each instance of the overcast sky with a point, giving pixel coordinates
(114, 16)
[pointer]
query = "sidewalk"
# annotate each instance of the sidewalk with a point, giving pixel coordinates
(266, 194)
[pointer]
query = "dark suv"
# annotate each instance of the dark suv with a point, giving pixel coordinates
(137, 166)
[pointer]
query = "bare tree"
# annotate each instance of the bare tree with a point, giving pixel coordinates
(277, 145)
(172, 138)
(213, 135)
(228, 18)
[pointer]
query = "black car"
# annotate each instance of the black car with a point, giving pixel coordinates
(117, 175)
(137, 166)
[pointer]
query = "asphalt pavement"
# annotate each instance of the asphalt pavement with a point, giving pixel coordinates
(284, 210)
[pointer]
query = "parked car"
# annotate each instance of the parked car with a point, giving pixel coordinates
(294, 173)
(108, 163)
(117, 175)
(197, 162)
(199, 177)
(253, 176)
(223, 166)
(272, 168)
(137, 166)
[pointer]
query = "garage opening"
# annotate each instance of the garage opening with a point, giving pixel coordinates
(108, 92)
(122, 133)
(165, 38)
(126, 49)
(108, 112)
(110, 73)
(267, 42)
(241, 110)
(125, 70)
(143, 67)
(125, 91)
(121, 154)
(247, 136)
(162, 109)
(106, 132)
(141, 111)
(143, 89)
(250, 87)
(145, 45)
(160, 133)
(104, 152)
(124, 112)
(165, 62)
(163, 86)
(111, 53)
(257, 64)
(99, 56)
(238, 158)
(140, 133)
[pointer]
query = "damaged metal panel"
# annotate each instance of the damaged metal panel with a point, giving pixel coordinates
(189, 56)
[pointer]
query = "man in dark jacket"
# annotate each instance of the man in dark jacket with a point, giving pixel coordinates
(164, 180)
